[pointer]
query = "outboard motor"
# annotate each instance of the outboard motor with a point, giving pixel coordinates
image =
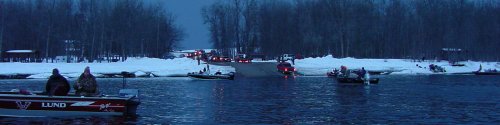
(134, 101)
(231, 75)
(367, 78)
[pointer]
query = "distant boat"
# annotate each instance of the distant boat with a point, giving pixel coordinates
(356, 80)
(371, 72)
(14, 104)
(348, 78)
(487, 73)
(229, 76)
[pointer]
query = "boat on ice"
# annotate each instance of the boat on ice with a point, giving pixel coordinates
(229, 76)
(487, 73)
(22, 104)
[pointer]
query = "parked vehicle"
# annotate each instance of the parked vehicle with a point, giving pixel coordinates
(243, 58)
(220, 59)
(299, 56)
(225, 59)
(190, 55)
(169, 56)
(286, 68)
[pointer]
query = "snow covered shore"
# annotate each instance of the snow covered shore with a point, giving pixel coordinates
(182, 66)
(138, 66)
(319, 66)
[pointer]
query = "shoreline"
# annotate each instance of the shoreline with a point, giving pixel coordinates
(179, 67)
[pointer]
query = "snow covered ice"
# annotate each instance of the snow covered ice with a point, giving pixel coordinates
(138, 66)
(182, 66)
(322, 65)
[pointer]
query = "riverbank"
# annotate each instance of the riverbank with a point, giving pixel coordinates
(140, 67)
(179, 67)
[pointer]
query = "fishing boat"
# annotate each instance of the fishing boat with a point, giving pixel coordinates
(229, 76)
(352, 77)
(37, 104)
(487, 73)
(356, 80)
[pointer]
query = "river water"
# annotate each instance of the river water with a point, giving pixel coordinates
(429, 99)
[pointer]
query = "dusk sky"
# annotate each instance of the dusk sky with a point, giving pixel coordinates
(188, 13)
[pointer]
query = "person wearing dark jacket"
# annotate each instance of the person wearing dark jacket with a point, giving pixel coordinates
(57, 85)
(362, 73)
(86, 84)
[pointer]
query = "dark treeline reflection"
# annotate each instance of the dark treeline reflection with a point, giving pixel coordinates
(357, 28)
(98, 28)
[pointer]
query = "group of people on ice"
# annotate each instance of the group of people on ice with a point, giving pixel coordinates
(206, 70)
(344, 72)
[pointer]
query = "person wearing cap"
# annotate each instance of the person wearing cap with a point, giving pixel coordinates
(86, 84)
(57, 85)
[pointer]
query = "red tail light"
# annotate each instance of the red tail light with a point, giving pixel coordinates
(286, 69)
(294, 69)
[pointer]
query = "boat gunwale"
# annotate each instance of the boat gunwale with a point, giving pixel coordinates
(43, 97)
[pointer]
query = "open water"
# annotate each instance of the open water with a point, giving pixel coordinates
(429, 99)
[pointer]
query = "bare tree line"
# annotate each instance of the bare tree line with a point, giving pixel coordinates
(357, 28)
(102, 28)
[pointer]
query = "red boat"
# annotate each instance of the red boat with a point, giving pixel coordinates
(15, 104)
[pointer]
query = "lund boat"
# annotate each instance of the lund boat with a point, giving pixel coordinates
(14, 104)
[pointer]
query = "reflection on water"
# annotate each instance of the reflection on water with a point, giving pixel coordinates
(299, 100)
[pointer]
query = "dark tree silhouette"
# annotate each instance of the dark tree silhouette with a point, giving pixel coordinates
(102, 28)
(357, 28)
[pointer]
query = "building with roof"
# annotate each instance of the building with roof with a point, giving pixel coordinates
(21, 56)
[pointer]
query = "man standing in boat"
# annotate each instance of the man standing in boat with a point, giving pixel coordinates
(57, 85)
(86, 84)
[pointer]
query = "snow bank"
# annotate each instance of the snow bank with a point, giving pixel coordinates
(182, 66)
(138, 66)
(319, 66)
